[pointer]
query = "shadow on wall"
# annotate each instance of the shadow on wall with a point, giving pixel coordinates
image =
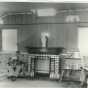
(31, 41)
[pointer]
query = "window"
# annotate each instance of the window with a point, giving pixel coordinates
(9, 40)
(83, 40)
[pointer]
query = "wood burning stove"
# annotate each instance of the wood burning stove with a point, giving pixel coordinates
(45, 62)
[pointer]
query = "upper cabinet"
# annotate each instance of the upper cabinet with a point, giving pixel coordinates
(19, 18)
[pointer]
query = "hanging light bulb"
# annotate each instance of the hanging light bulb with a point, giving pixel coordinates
(72, 17)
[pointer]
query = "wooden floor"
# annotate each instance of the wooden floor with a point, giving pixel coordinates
(23, 83)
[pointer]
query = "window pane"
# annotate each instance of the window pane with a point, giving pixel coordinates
(9, 40)
(83, 40)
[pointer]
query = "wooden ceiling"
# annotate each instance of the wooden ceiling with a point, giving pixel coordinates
(6, 7)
